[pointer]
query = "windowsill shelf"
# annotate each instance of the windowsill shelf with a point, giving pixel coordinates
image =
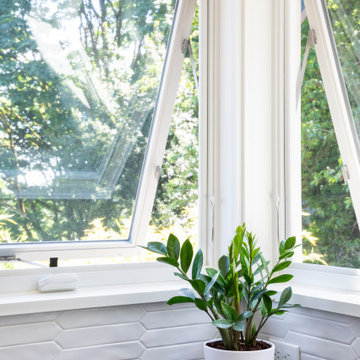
(87, 297)
(341, 302)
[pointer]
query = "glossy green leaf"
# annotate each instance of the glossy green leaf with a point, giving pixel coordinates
(198, 286)
(271, 292)
(283, 265)
(200, 304)
(285, 296)
(286, 255)
(229, 312)
(239, 326)
(156, 247)
(222, 323)
(224, 265)
(168, 260)
(268, 303)
(180, 300)
(210, 285)
(245, 315)
(281, 279)
(173, 246)
(181, 276)
(186, 255)
(290, 243)
(197, 264)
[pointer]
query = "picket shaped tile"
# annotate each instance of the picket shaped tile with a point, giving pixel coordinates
(184, 352)
(98, 335)
(28, 333)
(28, 318)
(178, 335)
(122, 351)
(46, 351)
(328, 329)
(100, 316)
(172, 318)
(356, 346)
(327, 349)
(355, 325)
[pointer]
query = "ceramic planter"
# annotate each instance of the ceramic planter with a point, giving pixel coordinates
(216, 354)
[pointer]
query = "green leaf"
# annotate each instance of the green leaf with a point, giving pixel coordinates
(281, 279)
(258, 295)
(245, 315)
(168, 260)
(268, 303)
(239, 326)
(229, 312)
(173, 246)
(197, 264)
(286, 255)
(200, 304)
(211, 272)
(156, 247)
(186, 255)
(198, 286)
(224, 265)
(278, 312)
(285, 296)
(222, 323)
(211, 283)
(180, 300)
(271, 293)
(181, 276)
(281, 266)
(281, 247)
(187, 292)
(290, 243)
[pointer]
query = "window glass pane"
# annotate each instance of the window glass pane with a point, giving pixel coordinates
(345, 22)
(330, 230)
(176, 204)
(78, 86)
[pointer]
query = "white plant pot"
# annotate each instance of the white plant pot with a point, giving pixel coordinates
(216, 354)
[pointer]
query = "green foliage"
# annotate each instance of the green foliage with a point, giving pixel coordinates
(232, 295)
(40, 116)
(330, 224)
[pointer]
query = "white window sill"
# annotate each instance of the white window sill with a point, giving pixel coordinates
(115, 285)
(325, 299)
(87, 297)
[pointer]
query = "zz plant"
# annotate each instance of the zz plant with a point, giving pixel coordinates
(233, 294)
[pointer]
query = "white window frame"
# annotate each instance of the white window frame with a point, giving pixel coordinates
(326, 287)
(145, 197)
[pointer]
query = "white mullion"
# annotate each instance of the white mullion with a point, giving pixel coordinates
(337, 97)
(162, 119)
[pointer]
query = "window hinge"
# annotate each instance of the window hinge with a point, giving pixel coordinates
(157, 172)
(346, 173)
(313, 38)
(184, 46)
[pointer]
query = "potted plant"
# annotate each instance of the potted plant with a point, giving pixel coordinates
(232, 294)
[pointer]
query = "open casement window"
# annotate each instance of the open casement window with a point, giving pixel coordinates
(87, 91)
(334, 28)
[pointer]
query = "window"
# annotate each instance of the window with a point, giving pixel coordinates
(330, 134)
(86, 103)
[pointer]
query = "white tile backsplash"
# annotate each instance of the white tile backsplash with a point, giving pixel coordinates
(157, 331)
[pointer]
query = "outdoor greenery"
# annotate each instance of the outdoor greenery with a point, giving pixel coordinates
(330, 228)
(64, 103)
(233, 294)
